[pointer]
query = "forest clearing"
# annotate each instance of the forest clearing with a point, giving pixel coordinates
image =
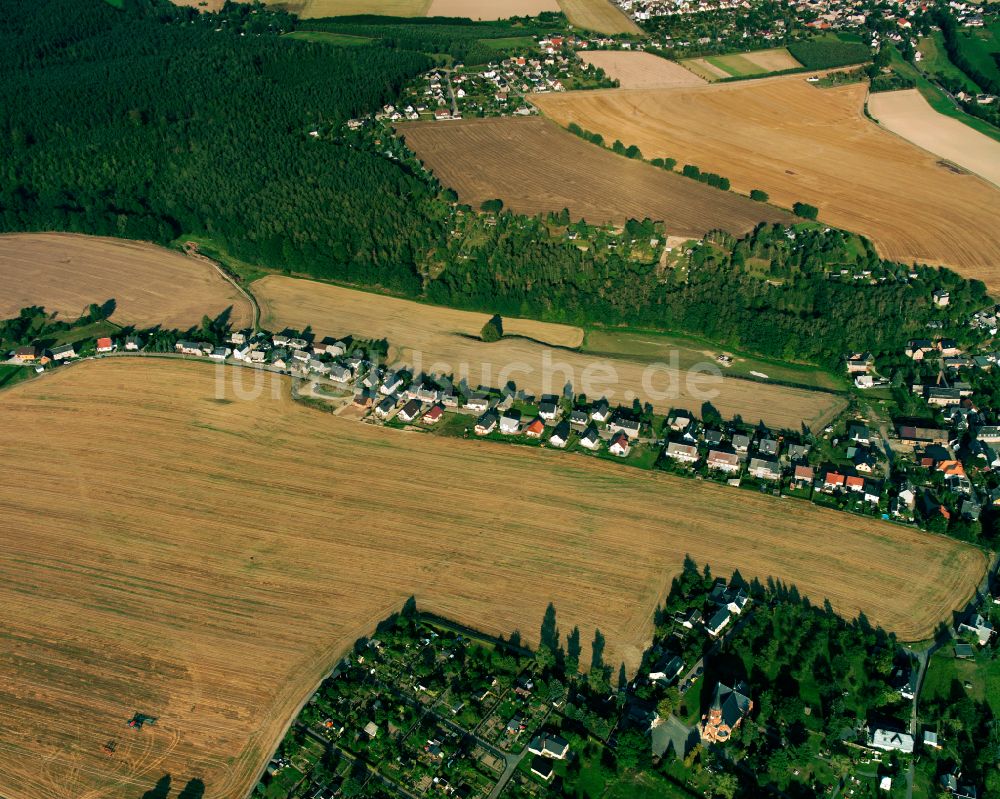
(441, 340)
(150, 285)
(907, 114)
(802, 144)
(635, 70)
(741, 65)
(139, 588)
(536, 167)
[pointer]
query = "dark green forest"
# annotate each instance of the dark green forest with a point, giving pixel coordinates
(154, 122)
(148, 125)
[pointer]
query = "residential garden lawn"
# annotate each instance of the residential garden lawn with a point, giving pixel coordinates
(982, 673)
(647, 786)
(691, 351)
(328, 37)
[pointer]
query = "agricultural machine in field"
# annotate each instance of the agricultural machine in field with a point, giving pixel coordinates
(110, 747)
(139, 720)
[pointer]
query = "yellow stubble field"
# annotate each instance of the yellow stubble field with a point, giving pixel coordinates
(150, 285)
(202, 554)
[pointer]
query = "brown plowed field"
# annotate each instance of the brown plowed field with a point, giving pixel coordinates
(799, 143)
(150, 285)
(171, 548)
(536, 167)
(444, 341)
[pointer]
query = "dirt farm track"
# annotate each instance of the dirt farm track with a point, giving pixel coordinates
(172, 548)
(801, 143)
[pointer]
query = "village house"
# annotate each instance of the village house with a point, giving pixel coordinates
(721, 618)
(590, 439)
(728, 709)
(578, 418)
(542, 767)
(918, 348)
(535, 428)
(803, 476)
(741, 444)
(548, 410)
(623, 424)
(764, 469)
(105, 344)
(133, 343)
(477, 403)
(63, 352)
(340, 374)
(26, 354)
(410, 411)
(891, 741)
(392, 383)
(600, 412)
(434, 414)
(723, 461)
(619, 444)
(510, 422)
(487, 423)
(685, 453)
(188, 347)
(219, 353)
(549, 745)
(941, 298)
(666, 669)
(385, 408)
(560, 436)
(859, 363)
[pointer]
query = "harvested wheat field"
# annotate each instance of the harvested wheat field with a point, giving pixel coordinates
(602, 16)
(443, 341)
(490, 9)
(536, 167)
(205, 558)
(742, 65)
(150, 285)
(908, 114)
(802, 144)
(635, 70)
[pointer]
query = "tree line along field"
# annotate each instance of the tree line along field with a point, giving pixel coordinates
(802, 144)
(445, 341)
(535, 167)
(150, 285)
(206, 558)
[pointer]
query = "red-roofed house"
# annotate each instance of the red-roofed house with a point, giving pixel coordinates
(433, 415)
(833, 481)
(803, 475)
(855, 482)
(105, 344)
(535, 429)
(619, 445)
(951, 469)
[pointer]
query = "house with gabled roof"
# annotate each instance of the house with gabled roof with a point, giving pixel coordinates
(619, 444)
(590, 439)
(723, 461)
(685, 453)
(535, 428)
(560, 436)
